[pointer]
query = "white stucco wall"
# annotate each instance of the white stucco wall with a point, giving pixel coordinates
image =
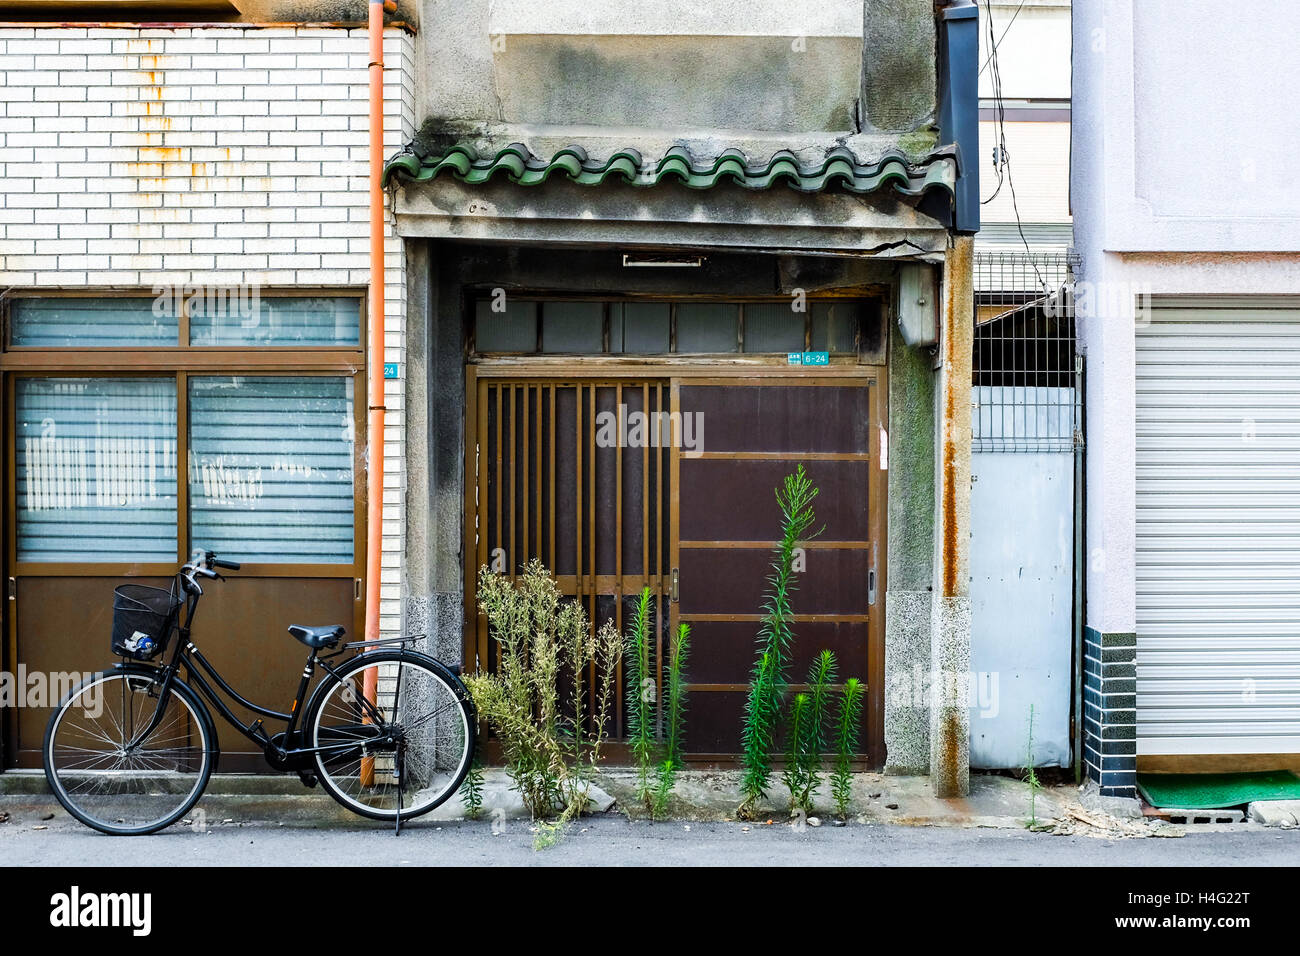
(1192, 143)
(1170, 196)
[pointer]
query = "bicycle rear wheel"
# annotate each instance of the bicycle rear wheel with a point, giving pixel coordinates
(407, 750)
(110, 777)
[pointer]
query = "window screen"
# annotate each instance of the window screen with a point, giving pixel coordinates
(96, 469)
(270, 468)
(107, 322)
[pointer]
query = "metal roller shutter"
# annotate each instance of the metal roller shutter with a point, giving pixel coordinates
(1218, 528)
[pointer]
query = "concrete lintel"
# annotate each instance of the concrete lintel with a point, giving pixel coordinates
(668, 215)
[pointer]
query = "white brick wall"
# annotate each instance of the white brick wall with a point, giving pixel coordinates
(135, 157)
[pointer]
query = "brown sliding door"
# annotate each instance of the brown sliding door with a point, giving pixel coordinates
(726, 523)
(562, 470)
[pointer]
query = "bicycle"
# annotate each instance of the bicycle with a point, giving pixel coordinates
(388, 732)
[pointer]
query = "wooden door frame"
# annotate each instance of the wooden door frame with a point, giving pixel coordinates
(694, 371)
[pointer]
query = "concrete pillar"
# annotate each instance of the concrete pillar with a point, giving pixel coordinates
(911, 556)
(951, 614)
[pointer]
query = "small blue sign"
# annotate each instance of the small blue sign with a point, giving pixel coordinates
(808, 358)
(390, 370)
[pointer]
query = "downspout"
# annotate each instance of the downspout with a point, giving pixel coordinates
(375, 345)
(959, 105)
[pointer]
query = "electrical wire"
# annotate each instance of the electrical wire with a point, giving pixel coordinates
(1002, 161)
(994, 46)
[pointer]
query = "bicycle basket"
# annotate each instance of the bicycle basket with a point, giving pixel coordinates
(143, 618)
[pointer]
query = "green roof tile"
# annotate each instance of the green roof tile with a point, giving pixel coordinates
(838, 167)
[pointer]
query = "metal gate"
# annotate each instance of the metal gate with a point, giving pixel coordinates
(1026, 461)
(557, 480)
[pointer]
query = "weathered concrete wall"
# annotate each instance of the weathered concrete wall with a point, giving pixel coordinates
(778, 74)
(752, 83)
(911, 555)
(435, 501)
(899, 46)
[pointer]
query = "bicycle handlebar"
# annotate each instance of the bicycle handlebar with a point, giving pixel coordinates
(203, 568)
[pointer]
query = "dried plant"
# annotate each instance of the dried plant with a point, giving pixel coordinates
(550, 750)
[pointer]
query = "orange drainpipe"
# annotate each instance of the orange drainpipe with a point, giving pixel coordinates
(375, 343)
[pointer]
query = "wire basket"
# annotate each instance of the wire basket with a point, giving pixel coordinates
(143, 619)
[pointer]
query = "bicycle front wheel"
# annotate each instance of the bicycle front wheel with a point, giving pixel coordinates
(112, 776)
(396, 732)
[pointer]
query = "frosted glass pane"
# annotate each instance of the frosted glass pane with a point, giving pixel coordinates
(230, 317)
(707, 327)
(106, 322)
(270, 468)
(773, 327)
(512, 330)
(640, 328)
(573, 327)
(96, 469)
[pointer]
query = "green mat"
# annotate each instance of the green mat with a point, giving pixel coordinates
(1216, 791)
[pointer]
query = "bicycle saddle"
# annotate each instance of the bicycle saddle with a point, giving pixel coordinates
(317, 637)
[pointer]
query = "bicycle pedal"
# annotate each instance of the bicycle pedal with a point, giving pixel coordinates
(308, 778)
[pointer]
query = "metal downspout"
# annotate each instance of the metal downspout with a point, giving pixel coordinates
(375, 345)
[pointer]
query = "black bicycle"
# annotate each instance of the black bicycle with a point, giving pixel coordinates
(387, 731)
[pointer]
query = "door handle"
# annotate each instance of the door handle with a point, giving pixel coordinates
(673, 586)
(871, 587)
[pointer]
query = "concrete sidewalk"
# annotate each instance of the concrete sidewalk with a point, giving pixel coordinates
(712, 796)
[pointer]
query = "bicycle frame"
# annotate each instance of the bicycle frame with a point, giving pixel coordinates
(196, 665)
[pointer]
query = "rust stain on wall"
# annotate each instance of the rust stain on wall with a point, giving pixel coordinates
(145, 169)
(161, 154)
(956, 382)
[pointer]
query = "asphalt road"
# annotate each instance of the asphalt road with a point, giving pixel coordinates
(612, 840)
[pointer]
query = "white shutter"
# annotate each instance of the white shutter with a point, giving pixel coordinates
(1218, 528)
